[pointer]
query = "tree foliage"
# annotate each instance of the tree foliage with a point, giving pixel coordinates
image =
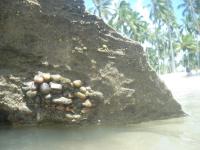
(167, 40)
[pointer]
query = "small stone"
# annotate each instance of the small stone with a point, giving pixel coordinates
(76, 116)
(38, 79)
(31, 94)
(65, 80)
(104, 46)
(87, 103)
(56, 77)
(87, 93)
(88, 88)
(60, 108)
(80, 95)
(48, 96)
(83, 89)
(77, 83)
(70, 116)
(46, 76)
(71, 84)
(55, 86)
(45, 88)
(62, 100)
(74, 120)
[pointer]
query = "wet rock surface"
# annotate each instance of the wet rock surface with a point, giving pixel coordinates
(59, 39)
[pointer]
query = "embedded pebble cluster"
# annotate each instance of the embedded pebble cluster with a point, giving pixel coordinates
(61, 94)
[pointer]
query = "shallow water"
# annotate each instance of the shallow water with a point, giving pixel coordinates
(173, 134)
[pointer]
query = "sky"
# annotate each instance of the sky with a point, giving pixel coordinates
(138, 5)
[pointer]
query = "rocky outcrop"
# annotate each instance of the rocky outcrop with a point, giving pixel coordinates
(59, 37)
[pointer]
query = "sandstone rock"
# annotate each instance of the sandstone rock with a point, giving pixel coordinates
(44, 34)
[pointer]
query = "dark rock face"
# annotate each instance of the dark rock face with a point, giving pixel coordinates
(59, 37)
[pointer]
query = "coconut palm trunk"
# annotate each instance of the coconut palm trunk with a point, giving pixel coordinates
(173, 66)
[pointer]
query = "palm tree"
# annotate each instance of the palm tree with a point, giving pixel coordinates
(129, 22)
(158, 11)
(192, 13)
(161, 14)
(102, 8)
(138, 28)
(190, 7)
(171, 24)
(187, 43)
(121, 16)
